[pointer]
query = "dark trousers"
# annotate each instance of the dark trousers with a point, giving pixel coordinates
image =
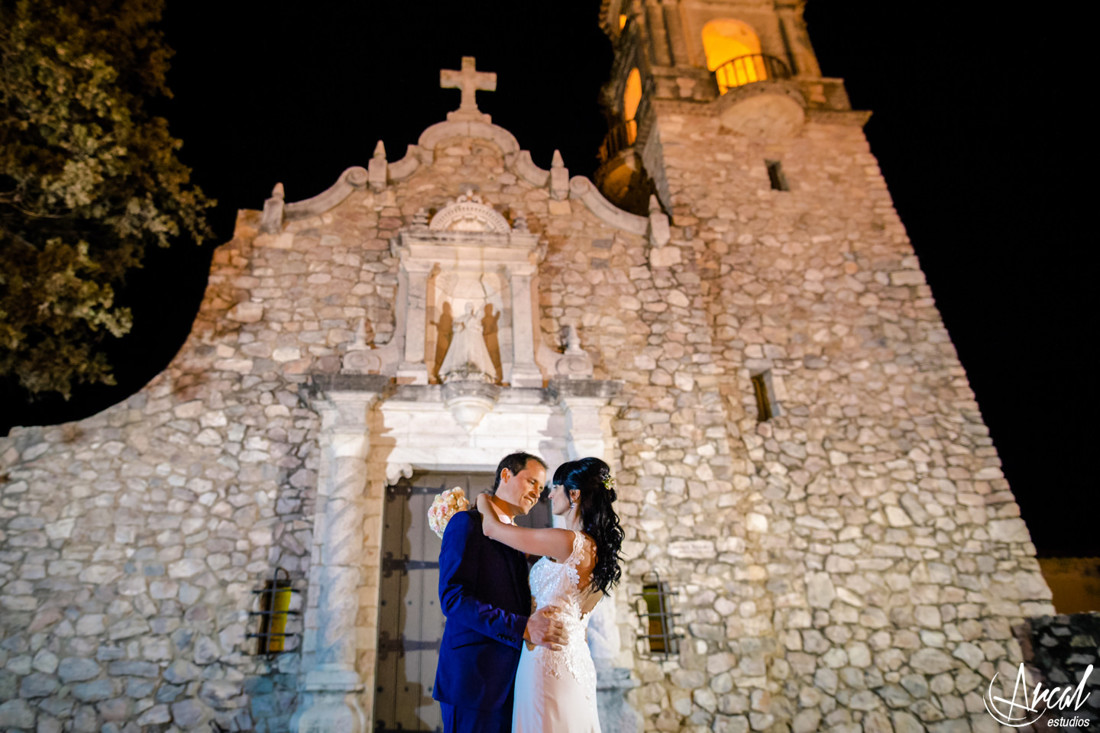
(468, 720)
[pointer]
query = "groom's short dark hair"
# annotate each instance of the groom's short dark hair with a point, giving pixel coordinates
(515, 462)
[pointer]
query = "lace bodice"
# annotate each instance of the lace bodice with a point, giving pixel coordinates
(558, 584)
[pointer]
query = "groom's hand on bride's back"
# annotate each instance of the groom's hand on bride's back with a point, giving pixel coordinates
(544, 628)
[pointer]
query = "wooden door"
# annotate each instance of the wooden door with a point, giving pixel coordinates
(410, 622)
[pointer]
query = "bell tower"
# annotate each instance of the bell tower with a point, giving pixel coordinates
(787, 288)
(746, 63)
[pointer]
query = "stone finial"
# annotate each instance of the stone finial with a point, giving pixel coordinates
(272, 219)
(361, 335)
(520, 222)
(559, 178)
(659, 233)
(378, 168)
(575, 363)
(420, 218)
(469, 80)
(361, 361)
(571, 339)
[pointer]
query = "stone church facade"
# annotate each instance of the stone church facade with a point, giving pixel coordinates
(731, 315)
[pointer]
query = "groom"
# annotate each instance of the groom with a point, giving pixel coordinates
(484, 594)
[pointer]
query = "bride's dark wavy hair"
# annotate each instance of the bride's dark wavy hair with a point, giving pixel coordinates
(592, 478)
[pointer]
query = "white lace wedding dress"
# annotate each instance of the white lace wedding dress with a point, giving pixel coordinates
(556, 690)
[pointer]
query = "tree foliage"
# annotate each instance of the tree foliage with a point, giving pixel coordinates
(88, 179)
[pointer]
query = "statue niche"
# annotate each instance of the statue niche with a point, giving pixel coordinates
(467, 357)
(466, 292)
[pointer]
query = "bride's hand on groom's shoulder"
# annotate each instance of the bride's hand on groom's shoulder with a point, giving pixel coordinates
(483, 503)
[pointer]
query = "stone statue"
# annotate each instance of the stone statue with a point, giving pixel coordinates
(468, 357)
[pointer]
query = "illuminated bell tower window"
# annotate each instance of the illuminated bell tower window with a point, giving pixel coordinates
(632, 97)
(733, 53)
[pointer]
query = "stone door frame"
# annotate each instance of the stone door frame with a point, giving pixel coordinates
(372, 434)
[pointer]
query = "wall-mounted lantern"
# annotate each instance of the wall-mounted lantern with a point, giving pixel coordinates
(274, 610)
(654, 608)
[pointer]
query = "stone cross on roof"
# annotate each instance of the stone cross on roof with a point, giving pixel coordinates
(470, 81)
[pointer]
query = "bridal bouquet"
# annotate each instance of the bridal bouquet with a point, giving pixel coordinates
(444, 507)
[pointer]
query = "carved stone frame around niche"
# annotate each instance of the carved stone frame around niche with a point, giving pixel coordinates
(468, 254)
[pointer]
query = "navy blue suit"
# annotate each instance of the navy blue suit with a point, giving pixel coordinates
(484, 595)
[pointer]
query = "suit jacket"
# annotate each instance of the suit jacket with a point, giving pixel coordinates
(484, 595)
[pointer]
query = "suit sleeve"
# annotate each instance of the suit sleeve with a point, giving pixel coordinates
(458, 577)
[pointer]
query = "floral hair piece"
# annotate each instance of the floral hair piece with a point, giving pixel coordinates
(609, 483)
(445, 506)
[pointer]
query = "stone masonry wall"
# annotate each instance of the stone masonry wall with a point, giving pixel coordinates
(131, 541)
(858, 561)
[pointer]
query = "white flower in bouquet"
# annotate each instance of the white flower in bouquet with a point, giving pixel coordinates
(444, 507)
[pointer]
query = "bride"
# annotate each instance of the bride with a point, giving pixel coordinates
(556, 689)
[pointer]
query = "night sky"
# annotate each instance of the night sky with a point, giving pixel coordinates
(977, 124)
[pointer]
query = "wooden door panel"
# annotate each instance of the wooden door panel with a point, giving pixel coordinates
(410, 620)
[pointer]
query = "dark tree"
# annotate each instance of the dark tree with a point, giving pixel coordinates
(88, 179)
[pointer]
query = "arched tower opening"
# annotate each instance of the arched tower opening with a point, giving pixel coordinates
(632, 97)
(733, 53)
